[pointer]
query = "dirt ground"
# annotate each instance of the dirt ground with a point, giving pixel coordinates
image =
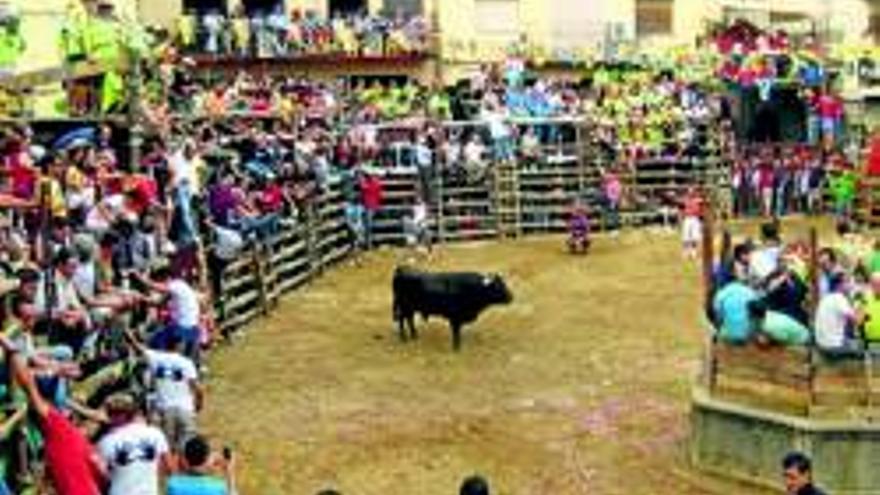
(581, 386)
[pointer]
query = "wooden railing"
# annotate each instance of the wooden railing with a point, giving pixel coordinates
(798, 379)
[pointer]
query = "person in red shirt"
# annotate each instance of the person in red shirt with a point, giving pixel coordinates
(371, 197)
(874, 154)
(830, 110)
(72, 462)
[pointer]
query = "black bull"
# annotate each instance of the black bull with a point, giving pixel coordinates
(457, 297)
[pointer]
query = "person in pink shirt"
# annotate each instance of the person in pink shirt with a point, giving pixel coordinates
(612, 192)
(830, 110)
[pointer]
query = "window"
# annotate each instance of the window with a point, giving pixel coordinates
(201, 7)
(654, 17)
(261, 7)
(874, 26)
(497, 17)
(406, 8)
(347, 6)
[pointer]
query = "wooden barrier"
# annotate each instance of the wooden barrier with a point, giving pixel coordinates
(400, 186)
(254, 281)
(768, 376)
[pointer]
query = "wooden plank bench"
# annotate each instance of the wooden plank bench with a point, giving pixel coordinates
(770, 376)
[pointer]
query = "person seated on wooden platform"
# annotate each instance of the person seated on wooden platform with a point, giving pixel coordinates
(869, 304)
(730, 308)
(837, 319)
(579, 230)
(774, 327)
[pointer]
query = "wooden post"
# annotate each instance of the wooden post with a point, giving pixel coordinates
(814, 270)
(708, 262)
(260, 281)
(708, 254)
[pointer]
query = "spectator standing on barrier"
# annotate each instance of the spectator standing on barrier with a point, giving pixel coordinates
(797, 473)
(416, 226)
(198, 474)
(371, 197)
(184, 311)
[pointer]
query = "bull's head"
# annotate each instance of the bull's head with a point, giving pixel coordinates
(496, 290)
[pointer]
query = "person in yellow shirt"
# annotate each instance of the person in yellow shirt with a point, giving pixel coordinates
(241, 34)
(51, 172)
(186, 31)
(870, 304)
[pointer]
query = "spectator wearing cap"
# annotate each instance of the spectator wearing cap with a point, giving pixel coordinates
(134, 452)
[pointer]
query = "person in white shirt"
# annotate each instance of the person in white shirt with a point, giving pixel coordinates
(177, 392)
(416, 226)
(133, 452)
(184, 307)
(474, 164)
(836, 317)
(101, 217)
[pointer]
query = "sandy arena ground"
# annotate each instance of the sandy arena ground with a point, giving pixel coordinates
(581, 386)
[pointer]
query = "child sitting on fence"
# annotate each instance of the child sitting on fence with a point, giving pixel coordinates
(579, 230)
(415, 227)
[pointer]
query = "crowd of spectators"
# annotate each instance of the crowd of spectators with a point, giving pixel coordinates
(760, 293)
(277, 33)
(103, 319)
(771, 180)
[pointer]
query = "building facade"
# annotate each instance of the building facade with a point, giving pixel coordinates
(471, 31)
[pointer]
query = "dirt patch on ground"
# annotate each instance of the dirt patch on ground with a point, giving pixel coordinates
(580, 386)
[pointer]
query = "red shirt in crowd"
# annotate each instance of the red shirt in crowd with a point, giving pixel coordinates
(143, 192)
(693, 205)
(829, 107)
(272, 198)
(70, 458)
(371, 192)
(874, 156)
(23, 178)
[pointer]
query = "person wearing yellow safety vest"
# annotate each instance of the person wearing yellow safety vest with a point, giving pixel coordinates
(186, 31)
(103, 36)
(12, 43)
(71, 38)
